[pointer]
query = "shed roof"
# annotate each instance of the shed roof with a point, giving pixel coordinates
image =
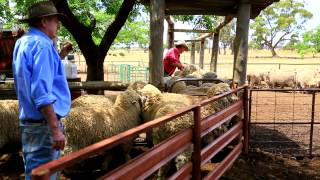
(212, 7)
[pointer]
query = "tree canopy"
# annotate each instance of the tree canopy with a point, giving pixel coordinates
(93, 25)
(278, 22)
(310, 42)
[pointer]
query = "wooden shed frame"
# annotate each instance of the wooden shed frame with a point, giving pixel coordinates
(243, 10)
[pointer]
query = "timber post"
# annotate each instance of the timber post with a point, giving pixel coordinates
(215, 48)
(170, 35)
(201, 64)
(193, 49)
(241, 43)
(156, 43)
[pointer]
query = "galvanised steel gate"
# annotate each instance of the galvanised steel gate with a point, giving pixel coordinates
(285, 121)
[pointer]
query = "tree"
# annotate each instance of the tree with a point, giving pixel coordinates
(310, 42)
(94, 25)
(227, 34)
(277, 22)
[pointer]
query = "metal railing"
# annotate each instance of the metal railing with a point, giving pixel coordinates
(155, 157)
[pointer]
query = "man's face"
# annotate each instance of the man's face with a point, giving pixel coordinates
(51, 25)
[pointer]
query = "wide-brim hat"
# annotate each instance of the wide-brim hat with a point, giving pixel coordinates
(182, 43)
(41, 9)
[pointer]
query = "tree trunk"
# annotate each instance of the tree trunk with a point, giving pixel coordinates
(274, 54)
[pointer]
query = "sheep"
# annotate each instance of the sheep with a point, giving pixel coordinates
(94, 101)
(280, 78)
(156, 105)
(188, 69)
(209, 75)
(87, 125)
(176, 87)
(307, 79)
(10, 138)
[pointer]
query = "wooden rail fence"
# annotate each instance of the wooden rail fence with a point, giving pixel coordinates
(151, 160)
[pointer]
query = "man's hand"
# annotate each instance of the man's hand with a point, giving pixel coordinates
(66, 48)
(57, 135)
(58, 139)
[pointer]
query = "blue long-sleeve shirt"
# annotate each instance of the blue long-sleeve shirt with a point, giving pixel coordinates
(39, 76)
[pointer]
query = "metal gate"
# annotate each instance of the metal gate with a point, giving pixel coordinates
(285, 121)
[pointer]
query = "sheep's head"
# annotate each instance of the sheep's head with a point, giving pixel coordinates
(129, 98)
(149, 95)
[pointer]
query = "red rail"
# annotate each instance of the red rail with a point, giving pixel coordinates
(151, 160)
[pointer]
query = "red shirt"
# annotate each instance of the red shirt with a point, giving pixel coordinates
(172, 56)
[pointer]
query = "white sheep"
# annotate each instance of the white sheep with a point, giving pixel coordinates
(281, 79)
(10, 136)
(87, 125)
(94, 101)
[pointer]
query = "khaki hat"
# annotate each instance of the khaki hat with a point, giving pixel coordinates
(182, 43)
(41, 9)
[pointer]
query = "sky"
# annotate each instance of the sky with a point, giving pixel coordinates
(312, 6)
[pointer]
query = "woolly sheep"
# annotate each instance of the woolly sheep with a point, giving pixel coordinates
(86, 125)
(209, 75)
(94, 101)
(10, 137)
(281, 78)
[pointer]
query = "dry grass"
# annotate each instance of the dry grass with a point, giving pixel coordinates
(258, 61)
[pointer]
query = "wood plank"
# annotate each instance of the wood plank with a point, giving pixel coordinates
(225, 164)
(214, 121)
(147, 163)
(98, 85)
(193, 30)
(221, 142)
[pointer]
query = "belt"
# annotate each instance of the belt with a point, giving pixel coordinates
(34, 121)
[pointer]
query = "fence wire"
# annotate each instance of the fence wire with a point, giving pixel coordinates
(285, 122)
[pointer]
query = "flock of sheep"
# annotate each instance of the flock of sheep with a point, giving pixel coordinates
(285, 79)
(96, 117)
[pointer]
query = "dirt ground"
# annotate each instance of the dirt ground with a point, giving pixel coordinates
(254, 166)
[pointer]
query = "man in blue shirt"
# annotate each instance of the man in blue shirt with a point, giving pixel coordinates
(41, 87)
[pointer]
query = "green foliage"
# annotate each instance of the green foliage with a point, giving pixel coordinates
(310, 42)
(278, 22)
(199, 21)
(97, 13)
(134, 33)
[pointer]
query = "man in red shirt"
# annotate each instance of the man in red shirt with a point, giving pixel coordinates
(171, 60)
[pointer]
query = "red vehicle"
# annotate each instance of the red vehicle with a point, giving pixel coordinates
(7, 41)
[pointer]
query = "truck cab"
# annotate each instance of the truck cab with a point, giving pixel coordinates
(7, 40)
